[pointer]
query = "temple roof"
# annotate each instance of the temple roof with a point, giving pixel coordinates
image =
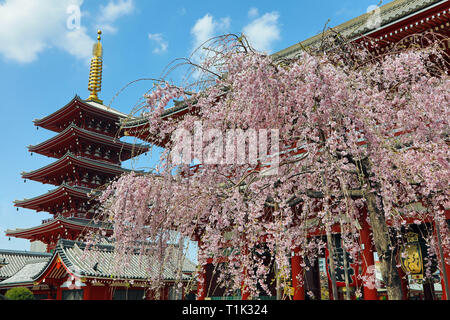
(138, 126)
(59, 224)
(98, 262)
(72, 132)
(25, 275)
(66, 162)
(64, 191)
(392, 12)
(67, 112)
(14, 260)
(138, 121)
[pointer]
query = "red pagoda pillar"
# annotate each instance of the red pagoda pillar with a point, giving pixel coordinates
(297, 270)
(367, 258)
(87, 292)
(404, 281)
(59, 293)
(444, 267)
(245, 294)
(201, 283)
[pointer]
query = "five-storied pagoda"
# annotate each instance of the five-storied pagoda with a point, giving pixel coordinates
(88, 154)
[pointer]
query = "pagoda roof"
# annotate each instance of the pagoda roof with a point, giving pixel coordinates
(57, 224)
(62, 192)
(51, 121)
(14, 260)
(69, 160)
(390, 13)
(97, 262)
(73, 131)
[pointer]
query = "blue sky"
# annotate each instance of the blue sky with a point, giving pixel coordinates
(46, 45)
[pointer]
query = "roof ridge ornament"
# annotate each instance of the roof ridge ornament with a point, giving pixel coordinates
(95, 75)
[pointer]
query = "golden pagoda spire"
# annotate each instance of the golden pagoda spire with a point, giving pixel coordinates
(95, 75)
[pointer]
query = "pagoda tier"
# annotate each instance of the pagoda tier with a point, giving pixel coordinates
(66, 200)
(89, 153)
(85, 114)
(81, 142)
(75, 171)
(51, 230)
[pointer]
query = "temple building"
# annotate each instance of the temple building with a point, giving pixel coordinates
(88, 154)
(395, 23)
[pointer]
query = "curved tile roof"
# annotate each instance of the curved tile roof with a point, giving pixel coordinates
(99, 262)
(78, 102)
(359, 26)
(72, 222)
(15, 260)
(25, 275)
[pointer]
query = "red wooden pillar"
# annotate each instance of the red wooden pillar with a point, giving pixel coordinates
(87, 292)
(59, 293)
(404, 280)
(367, 258)
(445, 294)
(297, 272)
(444, 267)
(245, 294)
(330, 289)
(201, 283)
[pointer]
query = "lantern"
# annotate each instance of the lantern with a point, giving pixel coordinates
(411, 256)
(352, 267)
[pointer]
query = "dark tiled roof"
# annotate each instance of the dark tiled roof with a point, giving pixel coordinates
(99, 262)
(83, 160)
(79, 191)
(26, 274)
(84, 103)
(359, 26)
(131, 122)
(88, 135)
(80, 222)
(16, 260)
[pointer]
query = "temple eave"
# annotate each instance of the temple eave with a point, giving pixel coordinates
(75, 105)
(57, 226)
(67, 163)
(64, 192)
(72, 136)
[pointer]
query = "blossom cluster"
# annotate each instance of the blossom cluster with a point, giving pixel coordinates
(347, 131)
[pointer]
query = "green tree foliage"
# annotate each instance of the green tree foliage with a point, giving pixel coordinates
(19, 293)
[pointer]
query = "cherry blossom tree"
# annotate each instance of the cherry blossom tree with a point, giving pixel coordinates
(345, 132)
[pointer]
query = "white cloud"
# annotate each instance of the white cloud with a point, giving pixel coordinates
(207, 27)
(112, 11)
(29, 27)
(162, 44)
(263, 31)
(253, 12)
